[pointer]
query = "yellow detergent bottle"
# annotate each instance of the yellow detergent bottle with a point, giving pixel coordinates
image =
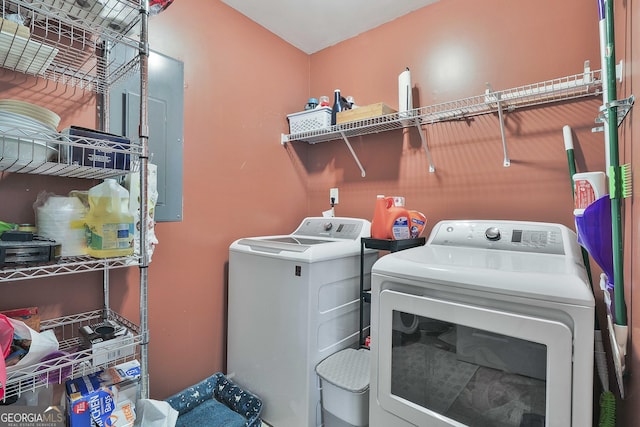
(109, 224)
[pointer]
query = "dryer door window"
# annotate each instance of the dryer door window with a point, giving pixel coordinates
(466, 365)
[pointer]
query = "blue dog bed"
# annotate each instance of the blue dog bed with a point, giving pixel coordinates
(216, 401)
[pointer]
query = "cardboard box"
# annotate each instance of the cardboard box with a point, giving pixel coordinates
(364, 112)
(119, 347)
(94, 157)
(98, 397)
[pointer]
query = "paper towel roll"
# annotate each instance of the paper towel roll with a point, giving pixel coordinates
(405, 101)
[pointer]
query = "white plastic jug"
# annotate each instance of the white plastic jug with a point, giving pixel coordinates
(62, 219)
(109, 225)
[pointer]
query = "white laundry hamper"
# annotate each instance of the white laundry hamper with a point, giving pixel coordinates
(344, 379)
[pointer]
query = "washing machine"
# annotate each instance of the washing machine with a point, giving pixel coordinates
(505, 318)
(294, 300)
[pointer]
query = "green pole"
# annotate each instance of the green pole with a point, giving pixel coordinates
(614, 172)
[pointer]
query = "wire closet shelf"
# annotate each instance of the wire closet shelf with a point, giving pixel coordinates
(75, 360)
(68, 42)
(586, 84)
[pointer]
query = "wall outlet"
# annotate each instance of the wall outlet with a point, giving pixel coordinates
(333, 195)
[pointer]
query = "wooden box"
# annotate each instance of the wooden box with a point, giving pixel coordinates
(364, 112)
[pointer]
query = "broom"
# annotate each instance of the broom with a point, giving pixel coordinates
(607, 399)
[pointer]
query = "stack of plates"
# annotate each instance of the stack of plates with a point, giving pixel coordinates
(24, 140)
(36, 112)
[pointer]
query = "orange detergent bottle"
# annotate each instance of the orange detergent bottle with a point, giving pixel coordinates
(379, 228)
(398, 221)
(418, 221)
(389, 221)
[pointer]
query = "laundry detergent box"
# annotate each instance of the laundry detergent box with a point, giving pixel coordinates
(92, 155)
(97, 398)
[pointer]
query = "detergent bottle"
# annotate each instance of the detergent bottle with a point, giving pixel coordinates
(418, 221)
(398, 219)
(379, 228)
(389, 221)
(109, 225)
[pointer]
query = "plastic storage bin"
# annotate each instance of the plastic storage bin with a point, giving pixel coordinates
(310, 120)
(344, 379)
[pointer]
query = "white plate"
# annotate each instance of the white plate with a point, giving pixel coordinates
(9, 119)
(34, 111)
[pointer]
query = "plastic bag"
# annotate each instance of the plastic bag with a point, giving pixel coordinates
(155, 413)
(6, 338)
(42, 343)
(6, 335)
(157, 6)
(132, 183)
(3, 377)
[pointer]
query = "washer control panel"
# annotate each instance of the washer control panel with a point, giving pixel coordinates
(334, 227)
(504, 235)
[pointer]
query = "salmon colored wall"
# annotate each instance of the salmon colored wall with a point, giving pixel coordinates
(240, 83)
(453, 48)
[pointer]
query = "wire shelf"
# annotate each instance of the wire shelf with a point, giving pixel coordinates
(68, 43)
(66, 265)
(577, 86)
(78, 361)
(32, 151)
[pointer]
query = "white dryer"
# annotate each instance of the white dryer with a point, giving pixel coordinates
(293, 301)
(506, 321)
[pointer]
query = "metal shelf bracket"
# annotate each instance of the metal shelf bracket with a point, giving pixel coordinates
(623, 108)
(425, 146)
(498, 100)
(363, 173)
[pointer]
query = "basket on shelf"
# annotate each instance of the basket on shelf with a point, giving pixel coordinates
(310, 120)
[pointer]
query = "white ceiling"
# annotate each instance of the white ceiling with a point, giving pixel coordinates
(312, 25)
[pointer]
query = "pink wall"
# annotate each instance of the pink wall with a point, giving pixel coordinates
(240, 83)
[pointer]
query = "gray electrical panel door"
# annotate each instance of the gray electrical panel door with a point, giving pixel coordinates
(166, 123)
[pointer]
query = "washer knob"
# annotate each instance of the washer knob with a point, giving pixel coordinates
(492, 233)
(328, 226)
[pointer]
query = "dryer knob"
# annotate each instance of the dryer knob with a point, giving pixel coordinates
(328, 226)
(492, 233)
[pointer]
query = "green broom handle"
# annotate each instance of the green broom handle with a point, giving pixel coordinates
(616, 217)
(585, 255)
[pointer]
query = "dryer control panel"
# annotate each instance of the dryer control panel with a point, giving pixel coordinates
(503, 235)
